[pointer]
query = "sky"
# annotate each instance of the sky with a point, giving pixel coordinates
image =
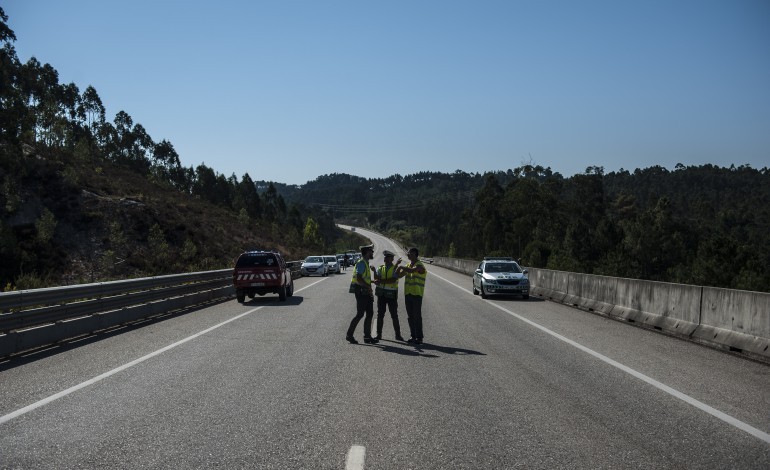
(290, 90)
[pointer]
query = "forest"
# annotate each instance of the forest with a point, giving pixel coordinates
(702, 225)
(83, 198)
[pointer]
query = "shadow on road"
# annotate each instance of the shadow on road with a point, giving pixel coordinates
(406, 349)
(273, 300)
(514, 298)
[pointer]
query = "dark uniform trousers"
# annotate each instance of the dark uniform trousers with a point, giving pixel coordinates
(413, 304)
(392, 306)
(364, 306)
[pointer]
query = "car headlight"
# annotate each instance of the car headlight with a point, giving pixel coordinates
(490, 281)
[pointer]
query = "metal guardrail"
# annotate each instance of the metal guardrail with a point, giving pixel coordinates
(18, 300)
(39, 317)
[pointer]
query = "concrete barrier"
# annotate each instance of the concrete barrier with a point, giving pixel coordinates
(549, 284)
(737, 319)
(464, 266)
(594, 293)
(723, 318)
(674, 308)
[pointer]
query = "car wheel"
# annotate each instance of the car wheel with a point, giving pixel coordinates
(240, 296)
(525, 296)
(483, 294)
(475, 291)
(282, 294)
(291, 288)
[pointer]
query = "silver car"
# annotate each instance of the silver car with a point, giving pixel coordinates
(314, 266)
(332, 263)
(500, 276)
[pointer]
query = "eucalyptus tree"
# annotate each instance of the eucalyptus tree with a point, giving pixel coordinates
(93, 109)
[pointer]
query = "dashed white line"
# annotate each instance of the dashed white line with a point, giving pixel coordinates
(356, 458)
(64, 393)
(660, 386)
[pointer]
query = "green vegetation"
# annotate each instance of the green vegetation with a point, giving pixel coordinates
(83, 199)
(700, 225)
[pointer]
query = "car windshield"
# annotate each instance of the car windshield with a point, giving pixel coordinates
(330, 259)
(260, 259)
(502, 268)
(314, 259)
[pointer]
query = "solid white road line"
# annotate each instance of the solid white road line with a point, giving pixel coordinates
(64, 393)
(356, 457)
(660, 386)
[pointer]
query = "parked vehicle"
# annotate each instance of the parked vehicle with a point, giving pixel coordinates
(314, 266)
(500, 275)
(333, 264)
(260, 273)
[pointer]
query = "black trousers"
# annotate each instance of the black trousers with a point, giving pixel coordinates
(364, 306)
(392, 306)
(413, 304)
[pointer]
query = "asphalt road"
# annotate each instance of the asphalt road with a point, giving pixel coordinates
(499, 383)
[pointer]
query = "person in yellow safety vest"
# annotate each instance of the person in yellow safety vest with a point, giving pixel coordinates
(361, 285)
(386, 277)
(414, 288)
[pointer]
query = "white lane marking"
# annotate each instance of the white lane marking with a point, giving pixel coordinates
(663, 387)
(356, 457)
(64, 393)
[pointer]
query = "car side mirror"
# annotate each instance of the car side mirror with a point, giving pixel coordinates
(478, 271)
(526, 271)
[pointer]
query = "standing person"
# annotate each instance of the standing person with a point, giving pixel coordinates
(414, 288)
(386, 278)
(345, 261)
(361, 285)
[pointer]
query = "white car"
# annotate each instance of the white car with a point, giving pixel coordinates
(314, 266)
(332, 263)
(500, 276)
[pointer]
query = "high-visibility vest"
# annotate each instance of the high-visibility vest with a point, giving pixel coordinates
(367, 273)
(414, 283)
(388, 273)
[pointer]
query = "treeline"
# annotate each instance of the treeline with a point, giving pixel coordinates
(66, 174)
(702, 225)
(39, 111)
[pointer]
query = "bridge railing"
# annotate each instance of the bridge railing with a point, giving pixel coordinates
(730, 319)
(38, 317)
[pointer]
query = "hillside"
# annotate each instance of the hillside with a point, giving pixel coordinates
(73, 223)
(85, 199)
(701, 225)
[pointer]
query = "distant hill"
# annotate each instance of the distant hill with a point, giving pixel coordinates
(86, 199)
(701, 225)
(66, 223)
(83, 199)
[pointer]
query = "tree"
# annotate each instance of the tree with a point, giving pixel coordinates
(45, 225)
(156, 242)
(93, 109)
(274, 206)
(247, 198)
(489, 219)
(311, 236)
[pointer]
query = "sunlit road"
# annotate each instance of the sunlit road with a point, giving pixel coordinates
(499, 383)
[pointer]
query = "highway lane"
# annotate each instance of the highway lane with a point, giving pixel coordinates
(278, 387)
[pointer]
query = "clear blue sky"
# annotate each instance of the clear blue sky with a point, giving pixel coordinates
(290, 90)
